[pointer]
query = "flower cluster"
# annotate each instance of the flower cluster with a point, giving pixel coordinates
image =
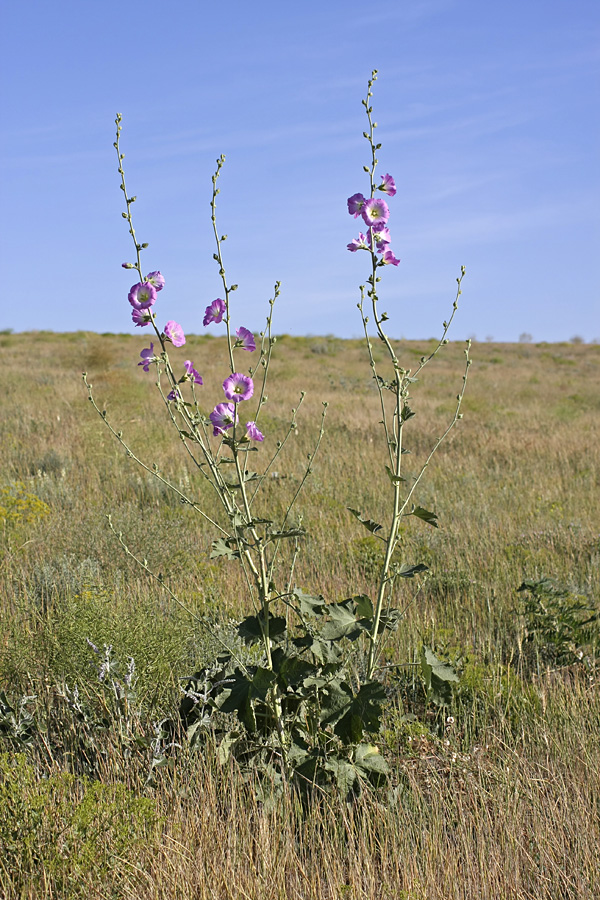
(375, 214)
(237, 387)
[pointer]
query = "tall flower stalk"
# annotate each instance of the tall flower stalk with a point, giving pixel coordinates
(394, 389)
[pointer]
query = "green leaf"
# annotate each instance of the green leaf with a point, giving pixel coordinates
(251, 632)
(429, 517)
(295, 670)
(363, 605)
(325, 651)
(342, 622)
(224, 749)
(237, 699)
(335, 698)
(261, 683)
(310, 605)
(344, 772)
(363, 714)
(395, 479)
(407, 413)
(390, 620)
(369, 524)
(292, 532)
(442, 670)
(369, 759)
(220, 548)
(407, 571)
(438, 676)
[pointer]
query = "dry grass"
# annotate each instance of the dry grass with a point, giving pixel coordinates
(504, 804)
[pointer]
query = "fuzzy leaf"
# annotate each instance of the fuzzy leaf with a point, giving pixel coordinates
(251, 632)
(220, 548)
(369, 524)
(407, 571)
(363, 714)
(310, 605)
(426, 515)
(395, 479)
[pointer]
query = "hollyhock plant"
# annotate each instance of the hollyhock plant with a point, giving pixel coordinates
(174, 394)
(223, 417)
(141, 318)
(253, 433)
(355, 205)
(359, 243)
(388, 259)
(214, 312)
(375, 212)
(142, 295)
(388, 186)
(156, 280)
(238, 387)
(191, 374)
(174, 333)
(147, 357)
(245, 339)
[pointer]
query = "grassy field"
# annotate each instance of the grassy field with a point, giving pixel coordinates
(494, 797)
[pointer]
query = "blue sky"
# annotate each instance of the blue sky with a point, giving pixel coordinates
(488, 116)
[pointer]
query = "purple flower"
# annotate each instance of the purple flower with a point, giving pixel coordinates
(156, 280)
(174, 332)
(238, 387)
(223, 416)
(355, 205)
(147, 357)
(174, 395)
(191, 374)
(253, 433)
(388, 185)
(388, 259)
(381, 239)
(214, 312)
(245, 339)
(142, 295)
(375, 212)
(359, 243)
(141, 317)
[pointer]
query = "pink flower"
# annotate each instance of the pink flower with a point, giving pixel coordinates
(141, 317)
(388, 185)
(214, 312)
(359, 243)
(147, 357)
(191, 374)
(156, 280)
(253, 433)
(142, 295)
(174, 333)
(381, 239)
(238, 387)
(355, 205)
(388, 259)
(376, 213)
(245, 339)
(223, 416)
